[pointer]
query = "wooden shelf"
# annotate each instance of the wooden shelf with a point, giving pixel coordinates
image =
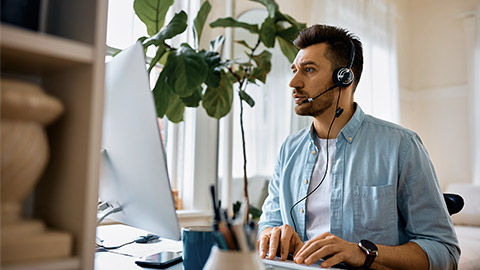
(60, 264)
(33, 52)
(68, 63)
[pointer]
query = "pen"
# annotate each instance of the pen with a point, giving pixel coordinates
(228, 233)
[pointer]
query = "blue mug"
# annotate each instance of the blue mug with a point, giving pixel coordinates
(197, 243)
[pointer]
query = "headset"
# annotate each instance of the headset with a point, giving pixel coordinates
(342, 77)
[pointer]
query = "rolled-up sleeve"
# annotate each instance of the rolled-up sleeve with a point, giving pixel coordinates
(421, 204)
(271, 212)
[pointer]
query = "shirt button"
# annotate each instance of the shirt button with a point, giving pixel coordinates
(305, 181)
(349, 139)
(301, 210)
(314, 152)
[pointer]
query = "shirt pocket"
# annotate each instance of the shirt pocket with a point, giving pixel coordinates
(374, 207)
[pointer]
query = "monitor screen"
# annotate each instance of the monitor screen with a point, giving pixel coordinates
(134, 173)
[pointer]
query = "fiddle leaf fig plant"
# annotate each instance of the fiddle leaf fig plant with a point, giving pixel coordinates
(192, 76)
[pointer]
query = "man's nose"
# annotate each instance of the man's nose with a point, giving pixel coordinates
(296, 81)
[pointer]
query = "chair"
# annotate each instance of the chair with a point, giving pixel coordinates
(454, 202)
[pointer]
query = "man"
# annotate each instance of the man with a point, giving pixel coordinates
(362, 191)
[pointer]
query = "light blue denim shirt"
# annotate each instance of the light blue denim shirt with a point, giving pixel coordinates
(384, 189)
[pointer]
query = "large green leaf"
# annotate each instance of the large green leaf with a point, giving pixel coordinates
(246, 97)
(176, 109)
(285, 17)
(288, 49)
(194, 99)
(267, 32)
(271, 6)
(212, 59)
(161, 95)
(163, 59)
(176, 26)
(185, 71)
(200, 20)
(231, 22)
(263, 66)
(152, 13)
(160, 52)
(217, 102)
(289, 34)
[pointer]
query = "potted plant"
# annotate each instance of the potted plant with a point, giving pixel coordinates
(191, 76)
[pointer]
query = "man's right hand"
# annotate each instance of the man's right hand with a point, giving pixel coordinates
(275, 238)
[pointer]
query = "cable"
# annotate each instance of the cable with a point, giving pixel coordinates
(145, 239)
(338, 112)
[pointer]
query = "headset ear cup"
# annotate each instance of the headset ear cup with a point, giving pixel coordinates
(342, 76)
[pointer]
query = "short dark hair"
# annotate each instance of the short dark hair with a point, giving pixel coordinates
(338, 46)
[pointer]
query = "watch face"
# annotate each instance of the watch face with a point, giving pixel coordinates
(368, 245)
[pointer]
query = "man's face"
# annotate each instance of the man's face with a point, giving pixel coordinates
(312, 74)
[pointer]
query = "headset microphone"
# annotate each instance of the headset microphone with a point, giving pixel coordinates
(317, 96)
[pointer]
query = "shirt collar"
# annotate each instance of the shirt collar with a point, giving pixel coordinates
(353, 125)
(350, 129)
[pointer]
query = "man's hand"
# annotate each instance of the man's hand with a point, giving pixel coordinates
(283, 237)
(332, 249)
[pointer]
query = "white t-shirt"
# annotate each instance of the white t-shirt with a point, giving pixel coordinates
(318, 203)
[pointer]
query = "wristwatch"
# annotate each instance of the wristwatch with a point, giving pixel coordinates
(371, 250)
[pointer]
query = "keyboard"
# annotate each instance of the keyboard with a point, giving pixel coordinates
(277, 264)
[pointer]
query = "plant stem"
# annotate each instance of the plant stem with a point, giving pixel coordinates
(245, 180)
(243, 84)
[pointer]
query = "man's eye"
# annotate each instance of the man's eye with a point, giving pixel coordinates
(308, 69)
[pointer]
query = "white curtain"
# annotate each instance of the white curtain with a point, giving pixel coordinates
(373, 21)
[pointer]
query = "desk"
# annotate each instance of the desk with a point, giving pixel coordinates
(124, 258)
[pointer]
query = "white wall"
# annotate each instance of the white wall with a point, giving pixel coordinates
(434, 82)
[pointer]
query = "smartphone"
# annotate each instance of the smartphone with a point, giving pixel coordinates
(161, 260)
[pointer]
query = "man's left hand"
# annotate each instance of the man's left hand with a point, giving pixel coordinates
(332, 249)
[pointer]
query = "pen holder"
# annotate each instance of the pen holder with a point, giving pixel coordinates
(233, 260)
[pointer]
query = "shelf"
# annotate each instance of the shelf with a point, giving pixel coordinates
(59, 264)
(67, 61)
(33, 52)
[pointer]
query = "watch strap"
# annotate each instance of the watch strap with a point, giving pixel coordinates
(369, 261)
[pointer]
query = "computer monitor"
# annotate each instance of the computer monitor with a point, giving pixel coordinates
(134, 171)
